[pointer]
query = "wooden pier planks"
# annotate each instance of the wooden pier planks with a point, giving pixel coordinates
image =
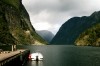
(4, 56)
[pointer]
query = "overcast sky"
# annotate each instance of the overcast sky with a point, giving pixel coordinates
(51, 14)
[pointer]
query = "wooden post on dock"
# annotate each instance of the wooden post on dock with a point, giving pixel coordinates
(13, 47)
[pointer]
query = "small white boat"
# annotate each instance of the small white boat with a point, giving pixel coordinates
(36, 56)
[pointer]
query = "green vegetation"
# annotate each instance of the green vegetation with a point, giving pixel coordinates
(5, 36)
(73, 28)
(90, 37)
(36, 36)
(14, 3)
(24, 37)
(15, 26)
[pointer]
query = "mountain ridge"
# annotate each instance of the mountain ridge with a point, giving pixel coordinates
(46, 35)
(75, 26)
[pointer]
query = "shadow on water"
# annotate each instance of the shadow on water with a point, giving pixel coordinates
(35, 63)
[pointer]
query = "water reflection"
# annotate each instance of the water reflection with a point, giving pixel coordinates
(65, 55)
(36, 63)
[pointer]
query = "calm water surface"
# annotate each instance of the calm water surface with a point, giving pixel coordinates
(64, 55)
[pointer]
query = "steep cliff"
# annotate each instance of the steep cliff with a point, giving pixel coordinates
(71, 29)
(15, 25)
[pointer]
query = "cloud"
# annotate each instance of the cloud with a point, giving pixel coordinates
(58, 5)
(56, 12)
(42, 26)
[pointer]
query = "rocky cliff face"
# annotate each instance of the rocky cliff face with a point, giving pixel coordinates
(71, 29)
(15, 25)
(46, 35)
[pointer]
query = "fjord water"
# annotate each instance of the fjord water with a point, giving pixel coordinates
(65, 55)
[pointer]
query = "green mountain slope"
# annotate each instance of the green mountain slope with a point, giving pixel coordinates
(90, 37)
(15, 25)
(74, 27)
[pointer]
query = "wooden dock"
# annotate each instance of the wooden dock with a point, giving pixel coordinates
(10, 58)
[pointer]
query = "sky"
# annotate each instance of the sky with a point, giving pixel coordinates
(51, 14)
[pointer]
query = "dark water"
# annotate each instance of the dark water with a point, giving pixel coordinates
(64, 55)
(55, 55)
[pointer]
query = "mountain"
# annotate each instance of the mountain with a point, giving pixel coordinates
(90, 37)
(46, 35)
(15, 25)
(74, 27)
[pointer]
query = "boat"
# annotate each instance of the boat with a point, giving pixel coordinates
(36, 56)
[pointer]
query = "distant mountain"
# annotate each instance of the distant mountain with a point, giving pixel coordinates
(74, 27)
(46, 35)
(15, 25)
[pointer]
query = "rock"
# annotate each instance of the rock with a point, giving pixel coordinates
(15, 25)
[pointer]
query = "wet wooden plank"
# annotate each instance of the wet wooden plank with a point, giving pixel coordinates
(6, 55)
